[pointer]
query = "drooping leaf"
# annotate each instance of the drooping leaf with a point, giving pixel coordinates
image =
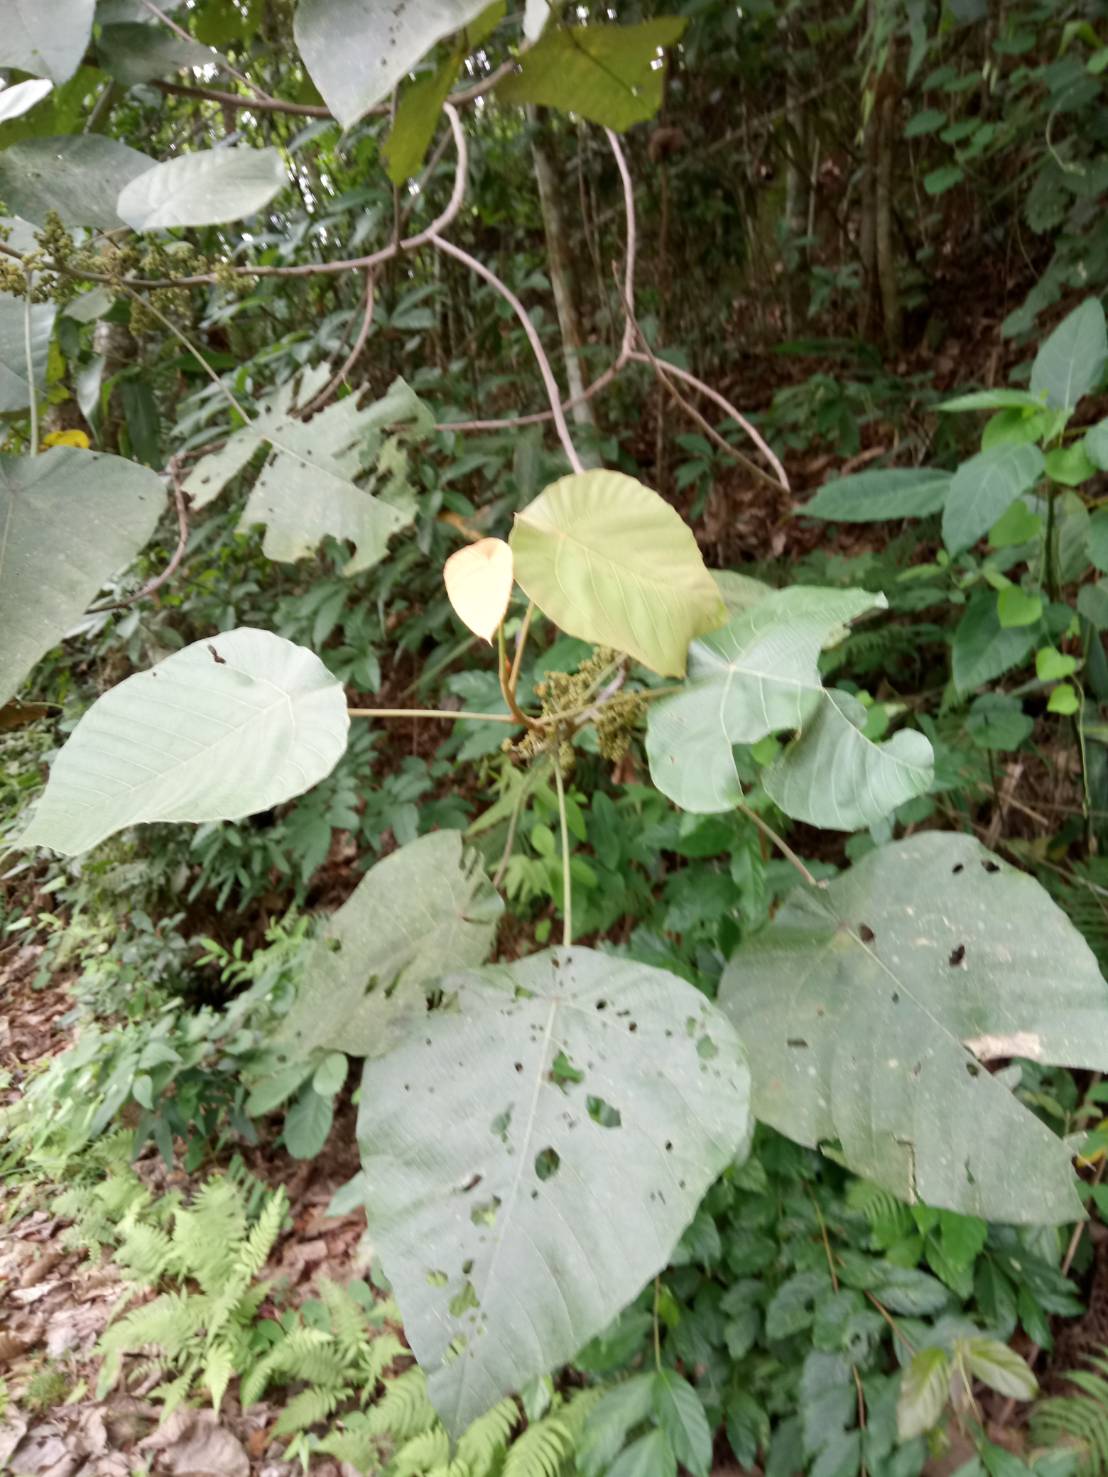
(45, 37)
(833, 776)
(308, 1124)
(890, 492)
(479, 581)
(993, 400)
(681, 1416)
(650, 1455)
(132, 52)
(424, 911)
(417, 116)
(308, 487)
(21, 97)
(15, 388)
(610, 561)
(926, 960)
(983, 648)
(71, 520)
(760, 675)
(358, 52)
(1001, 1368)
(985, 487)
(511, 1223)
(203, 189)
(217, 731)
(615, 1414)
(78, 176)
(924, 1388)
(1070, 362)
(608, 74)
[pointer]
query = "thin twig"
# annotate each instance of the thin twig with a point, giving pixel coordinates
(503, 673)
(216, 56)
(355, 353)
(521, 642)
(28, 304)
(782, 845)
(236, 100)
(181, 499)
(513, 824)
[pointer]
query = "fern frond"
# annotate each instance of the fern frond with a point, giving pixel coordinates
(575, 1412)
(354, 1444)
(253, 1253)
(381, 1351)
(422, 1454)
(888, 1218)
(403, 1410)
(146, 1253)
(1078, 1422)
(542, 1450)
(172, 1394)
(304, 1410)
(348, 1320)
(482, 1443)
(167, 1323)
(219, 1366)
(206, 1236)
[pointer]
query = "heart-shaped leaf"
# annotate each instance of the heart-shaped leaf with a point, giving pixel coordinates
(610, 561)
(531, 1159)
(478, 581)
(910, 972)
(217, 731)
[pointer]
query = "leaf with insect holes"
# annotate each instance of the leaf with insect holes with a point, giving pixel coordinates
(217, 731)
(478, 583)
(925, 960)
(531, 1159)
(611, 562)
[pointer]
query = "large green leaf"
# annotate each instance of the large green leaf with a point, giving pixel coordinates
(79, 176)
(869, 1008)
(984, 649)
(45, 37)
(358, 50)
(21, 97)
(15, 388)
(69, 520)
(424, 911)
(888, 492)
(217, 731)
(1070, 362)
(610, 561)
(985, 487)
(512, 1224)
(417, 117)
(608, 74)
(203, 189)
(760, 675)
(307, 488)
(833, 776)
(132, 52)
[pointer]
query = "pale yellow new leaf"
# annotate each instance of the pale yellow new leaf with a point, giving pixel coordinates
(479, 583)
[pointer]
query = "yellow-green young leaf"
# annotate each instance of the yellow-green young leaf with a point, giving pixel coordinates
(416, 116)
(923, 1392)
(1001, 1368)
(478, 583)
(1069, 465)
(611, 562)
(1064, 700)
(1052, 665)
(1015, 607)
(608, 74)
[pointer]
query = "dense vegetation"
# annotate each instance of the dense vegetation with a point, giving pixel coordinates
(552, 678)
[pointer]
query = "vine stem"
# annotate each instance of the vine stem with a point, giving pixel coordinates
(521, 642)
(180, 497)
(27, 306)
(507, 691)
(567, 886)
(433, 713)
(782, 845)
(657, 1326)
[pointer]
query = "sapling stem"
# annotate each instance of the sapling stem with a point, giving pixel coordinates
(431, 713)
(27, 306)
(567, 886)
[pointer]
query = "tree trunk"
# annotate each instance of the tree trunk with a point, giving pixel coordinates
(560, 265)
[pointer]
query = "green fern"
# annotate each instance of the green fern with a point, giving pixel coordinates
(404, 1410)
(423, 1453)
(889, 1219)
(306, 1409)
(482, 1445)
(1078, 1421)
(542, 1451)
